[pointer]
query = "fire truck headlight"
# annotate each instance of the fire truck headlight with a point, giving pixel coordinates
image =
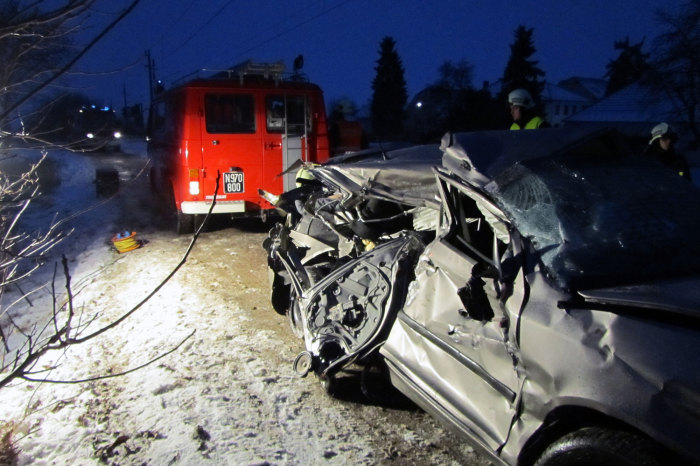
(90, 135)
(117, 134)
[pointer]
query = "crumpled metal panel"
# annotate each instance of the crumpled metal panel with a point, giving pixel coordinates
(616, 364)
(424, 363)
(347, 312)
(404, 176)
(470, 365)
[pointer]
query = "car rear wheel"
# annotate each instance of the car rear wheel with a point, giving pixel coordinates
(600, 446)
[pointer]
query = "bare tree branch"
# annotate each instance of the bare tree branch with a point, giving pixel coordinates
(61, 338)
(119, 374)
(8, 111)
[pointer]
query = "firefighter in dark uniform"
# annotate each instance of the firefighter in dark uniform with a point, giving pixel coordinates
(661, 147)
(522, 109)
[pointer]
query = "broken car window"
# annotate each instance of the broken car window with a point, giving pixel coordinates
(472, 232)
(589, 216)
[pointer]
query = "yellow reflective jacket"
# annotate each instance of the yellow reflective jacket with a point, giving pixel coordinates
(534, 123)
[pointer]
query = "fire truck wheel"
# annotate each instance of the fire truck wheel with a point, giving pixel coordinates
(184, 223)
(152, 181)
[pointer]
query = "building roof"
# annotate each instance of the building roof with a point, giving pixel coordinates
(632, 104)
(590, 88)
(554, 92)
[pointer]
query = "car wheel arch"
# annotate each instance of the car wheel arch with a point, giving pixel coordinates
(565, 420)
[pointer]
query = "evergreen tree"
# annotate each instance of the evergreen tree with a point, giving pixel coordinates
(389, 93)
(521, 71)
(628, 67)
(451, 104)
(456, 76)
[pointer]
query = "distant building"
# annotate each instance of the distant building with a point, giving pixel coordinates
(560, 104)
(570, 96)
(633, 110)
(591, 88)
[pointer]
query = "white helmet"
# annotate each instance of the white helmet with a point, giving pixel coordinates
(661, 130)
(521, 98)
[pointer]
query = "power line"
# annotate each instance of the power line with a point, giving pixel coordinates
(290, 29)
(173, 23)
(264, 41)
(199, 29)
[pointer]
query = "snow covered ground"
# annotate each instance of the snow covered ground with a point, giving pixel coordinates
(228, 394)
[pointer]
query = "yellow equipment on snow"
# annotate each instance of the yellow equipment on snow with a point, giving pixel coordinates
(125, 241)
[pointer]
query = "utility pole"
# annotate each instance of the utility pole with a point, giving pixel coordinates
(151, 75)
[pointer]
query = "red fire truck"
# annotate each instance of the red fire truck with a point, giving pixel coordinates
(247, 125)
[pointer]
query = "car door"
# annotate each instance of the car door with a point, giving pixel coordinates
(455, 339)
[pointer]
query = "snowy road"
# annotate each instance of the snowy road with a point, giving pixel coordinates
(228, 394)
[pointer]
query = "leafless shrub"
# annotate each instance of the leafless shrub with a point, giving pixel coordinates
(9, 451)
(35, 50)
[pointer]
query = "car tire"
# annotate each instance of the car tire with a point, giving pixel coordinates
(329, 384)
(376, 386)
(600, 446)
(279, 296)
(294, 315)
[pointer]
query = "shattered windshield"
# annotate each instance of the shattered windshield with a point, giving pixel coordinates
(604, 221)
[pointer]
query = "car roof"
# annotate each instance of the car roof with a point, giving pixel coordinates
(479, 157)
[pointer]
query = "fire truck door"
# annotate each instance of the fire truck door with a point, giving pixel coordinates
(231, 146)
(292, 150)
(288, 125)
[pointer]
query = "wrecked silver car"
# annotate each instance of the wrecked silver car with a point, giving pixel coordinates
(538, 291)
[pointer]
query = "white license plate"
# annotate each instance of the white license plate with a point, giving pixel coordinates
(233, 182)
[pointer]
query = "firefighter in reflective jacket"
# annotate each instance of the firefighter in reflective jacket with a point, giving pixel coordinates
(522, 109)
(661, 147)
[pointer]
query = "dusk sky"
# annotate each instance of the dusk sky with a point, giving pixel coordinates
(340, 39)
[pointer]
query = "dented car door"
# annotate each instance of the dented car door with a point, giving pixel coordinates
(455, 338)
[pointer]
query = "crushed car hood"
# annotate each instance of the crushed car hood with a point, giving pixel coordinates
(403, 175)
